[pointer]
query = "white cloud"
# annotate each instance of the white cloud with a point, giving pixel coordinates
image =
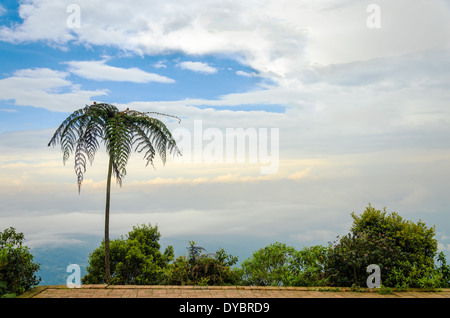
(99, 71)
(43, 87)
(309, 200)
(245, 74)
(160, 64)
(277, 38)
(197, 67)
(2, 10)
(203, 27)
(41, 21)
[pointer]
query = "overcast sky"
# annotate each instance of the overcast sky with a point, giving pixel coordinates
(353, 100)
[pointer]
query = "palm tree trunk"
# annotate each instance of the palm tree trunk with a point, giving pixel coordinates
(108, 199)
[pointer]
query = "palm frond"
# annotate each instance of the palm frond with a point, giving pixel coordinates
(80, 163)
(118, 142)
(144, 143)
(66, 134)
(136, 113)
(120, 131)
(79, 133)
(152, 136)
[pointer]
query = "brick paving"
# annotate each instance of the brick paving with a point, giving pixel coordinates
(105, 291)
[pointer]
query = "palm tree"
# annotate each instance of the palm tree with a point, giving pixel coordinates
(120, 132)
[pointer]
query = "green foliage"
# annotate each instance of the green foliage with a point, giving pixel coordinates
(281, 265)
(444, 270)
(348, 258)
(308, 267)
(203, 269)
(269, 266)
(415, 240)
(17, 270)
(385, 290)
(404, 250)
(135, 260)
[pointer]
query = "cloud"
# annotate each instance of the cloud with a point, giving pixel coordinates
(278, 39)
(315, 235)
(245, 74)
(46, 88)
(40, 22)
(99, 71)
(203, 27)
(2, 10)
(300, 174)
(308, 201)
(46, 229)
(160, 64)
(197, 67)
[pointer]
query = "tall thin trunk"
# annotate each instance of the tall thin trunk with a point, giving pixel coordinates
(108, 199)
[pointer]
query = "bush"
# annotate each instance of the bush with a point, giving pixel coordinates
(269, 266)
(281, 265)
(135, 260)
(203, 269)
(404, 250)
(443, 270)
(349, 257)
(308, 267)
(17, 270)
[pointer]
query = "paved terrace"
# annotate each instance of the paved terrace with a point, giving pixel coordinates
(128, 291)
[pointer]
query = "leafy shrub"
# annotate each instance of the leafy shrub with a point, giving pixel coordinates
(203, 269)
(269, 266)
(135, 260)
(17, 270)
(349, 256)
(415, 240)
(444, 270)
(307, 268)
(281, 265)
(404, 250)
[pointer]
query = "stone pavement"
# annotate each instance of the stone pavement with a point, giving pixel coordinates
(128, 291)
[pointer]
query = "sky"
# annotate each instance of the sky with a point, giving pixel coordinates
(344, 104)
